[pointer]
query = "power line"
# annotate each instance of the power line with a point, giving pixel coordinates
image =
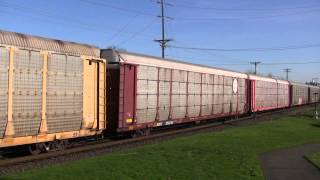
(125, 26)
(138, 32)
(249, 63)
(292, 63)
(273, 64)
(128, 10)
(284, 48)
(185, 5)
(316, 9)
(117, 33)
(65, 20)
(220, 55)
(56, 18)
(123, 9)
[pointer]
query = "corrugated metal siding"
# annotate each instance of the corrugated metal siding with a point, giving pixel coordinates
(39, 43)
(190, 94)
(270, 95)
(228, 106)
(266, 95)
(300, 94)
(121, 96)
(243, 95)
(64, 93)
(179, 94)
(283, 95)
(4, 65)
(147, 78)
(194, 94)
(27, 99)
(207, 94)
(314, 98)
(164, 93)
(218, 98)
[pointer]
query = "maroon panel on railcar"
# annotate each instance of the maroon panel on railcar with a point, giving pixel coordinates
(127, 95)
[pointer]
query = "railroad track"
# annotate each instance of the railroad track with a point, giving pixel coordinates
(20, 164)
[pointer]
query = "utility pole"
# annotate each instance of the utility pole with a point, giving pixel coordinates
(287, 71)
(163, 42)
(316, 114)
(255, 63)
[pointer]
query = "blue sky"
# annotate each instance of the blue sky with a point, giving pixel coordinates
(227, 24)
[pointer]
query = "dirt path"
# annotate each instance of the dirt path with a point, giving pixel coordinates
(289, 164)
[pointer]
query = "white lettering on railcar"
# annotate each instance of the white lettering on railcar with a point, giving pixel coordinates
(165, 123)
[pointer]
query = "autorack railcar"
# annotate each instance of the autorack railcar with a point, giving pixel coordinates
(314, 94)
(157, 92)
(268, 93)
(50, 90)
(299, 94)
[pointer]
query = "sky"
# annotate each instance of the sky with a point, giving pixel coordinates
(206, 24)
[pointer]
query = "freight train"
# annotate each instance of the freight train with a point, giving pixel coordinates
(52, 91)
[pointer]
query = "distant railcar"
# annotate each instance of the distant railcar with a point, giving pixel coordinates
(268, 93)
(299, 94)
(314, 94)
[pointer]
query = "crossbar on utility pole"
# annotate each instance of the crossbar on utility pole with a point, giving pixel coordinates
(255, 63)
(163, 41)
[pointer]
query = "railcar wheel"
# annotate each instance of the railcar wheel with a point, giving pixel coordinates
(140, 133)
(34, 149)
(59, 145)
(135, 134)
(64, 144)
(147, 132)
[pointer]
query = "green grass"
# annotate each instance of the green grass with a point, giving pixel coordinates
(229, 154)
(314, 158)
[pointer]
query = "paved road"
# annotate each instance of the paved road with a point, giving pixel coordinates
(289, 164)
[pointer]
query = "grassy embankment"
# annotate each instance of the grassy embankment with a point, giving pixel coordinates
(229, 154)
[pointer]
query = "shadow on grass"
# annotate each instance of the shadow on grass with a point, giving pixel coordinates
(316, 125)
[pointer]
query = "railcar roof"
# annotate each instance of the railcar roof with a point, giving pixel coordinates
(162, 62)
(249, 76)
(299, 84)
(283, 81)
(261, 78)
(315, 87)
(46, 44)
